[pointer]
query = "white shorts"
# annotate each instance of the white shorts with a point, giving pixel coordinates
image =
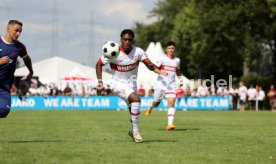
(123, 90)
(169, 91)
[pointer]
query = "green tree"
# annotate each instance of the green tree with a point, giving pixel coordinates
(214, 37)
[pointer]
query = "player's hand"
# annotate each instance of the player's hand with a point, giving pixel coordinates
(4, 60)
(99, 89)
(163, 73)
(28, 77)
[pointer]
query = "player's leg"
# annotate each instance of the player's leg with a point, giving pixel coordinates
(242, 104)
(5, 102)
(171, 111)
(135, 101)
(250, 104)
(127, 93)
(157, 97)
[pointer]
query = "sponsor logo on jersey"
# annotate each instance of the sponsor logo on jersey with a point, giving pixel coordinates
(123, 68)
(168, 68)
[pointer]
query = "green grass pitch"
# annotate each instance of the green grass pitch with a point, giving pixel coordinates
(101, 137)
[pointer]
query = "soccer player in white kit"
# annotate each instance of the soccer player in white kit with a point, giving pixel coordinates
(123, 82)
(166, 85)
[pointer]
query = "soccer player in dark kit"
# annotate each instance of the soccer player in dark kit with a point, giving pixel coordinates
(10, 49)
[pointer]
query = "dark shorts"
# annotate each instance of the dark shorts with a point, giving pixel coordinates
(242, 102)
(5, 99)
(251, 102)
(272, 103)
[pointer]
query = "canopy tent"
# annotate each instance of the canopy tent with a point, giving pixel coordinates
(77, 80)
(52, 70)
(76, 75)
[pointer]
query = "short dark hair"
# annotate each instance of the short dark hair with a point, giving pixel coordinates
(171, 43)
(127, 31)
(15, 22)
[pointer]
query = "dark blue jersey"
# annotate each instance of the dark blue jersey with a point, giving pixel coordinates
(13, 50)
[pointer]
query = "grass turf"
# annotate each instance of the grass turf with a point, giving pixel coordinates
(101, 137)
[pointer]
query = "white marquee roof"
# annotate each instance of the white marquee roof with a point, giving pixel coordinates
(55, 68)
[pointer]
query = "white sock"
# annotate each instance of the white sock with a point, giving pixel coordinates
(134, 115)
(171, 112)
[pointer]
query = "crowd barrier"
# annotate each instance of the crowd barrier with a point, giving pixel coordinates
(115, 103)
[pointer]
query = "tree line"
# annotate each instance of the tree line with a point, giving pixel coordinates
(216, 37)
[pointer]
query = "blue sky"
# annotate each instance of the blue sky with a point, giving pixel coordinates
(81, 24)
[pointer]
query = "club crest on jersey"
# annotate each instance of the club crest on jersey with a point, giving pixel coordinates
(135, 58)
(14, 53)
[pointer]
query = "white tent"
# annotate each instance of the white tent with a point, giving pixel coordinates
(52, 70)
(77, 79)
(76, 74)
(146, 77)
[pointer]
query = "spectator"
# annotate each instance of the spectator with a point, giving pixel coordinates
(194, 93)
(108, 91)
(187, 91)
(33, 91)
(242, 95)
(141, 91)
(272, 97)
(222, 91)
(233, 93)
(67, 91)
(236, 98)
(260, 97)
(252, 95)
(213, 90)
(43, 90)
(53, 90)
(22, 90)
(91, 91)
(13, 90)
(202, 90)
(104, 93)
(75, 90)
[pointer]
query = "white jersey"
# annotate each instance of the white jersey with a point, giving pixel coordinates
(261, 95)
(252, 94)
(242, 93)
(166, 85)
(170, 65)
(125, 66)
(202, 91)
(222, 91)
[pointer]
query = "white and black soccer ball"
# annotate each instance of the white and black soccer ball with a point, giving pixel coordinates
(111, 49)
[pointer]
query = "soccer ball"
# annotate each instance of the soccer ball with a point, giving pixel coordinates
(111, 49)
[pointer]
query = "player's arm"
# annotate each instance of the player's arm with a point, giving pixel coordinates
(99, 70)
(180, 76)
(28, 62)
(153, 67)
